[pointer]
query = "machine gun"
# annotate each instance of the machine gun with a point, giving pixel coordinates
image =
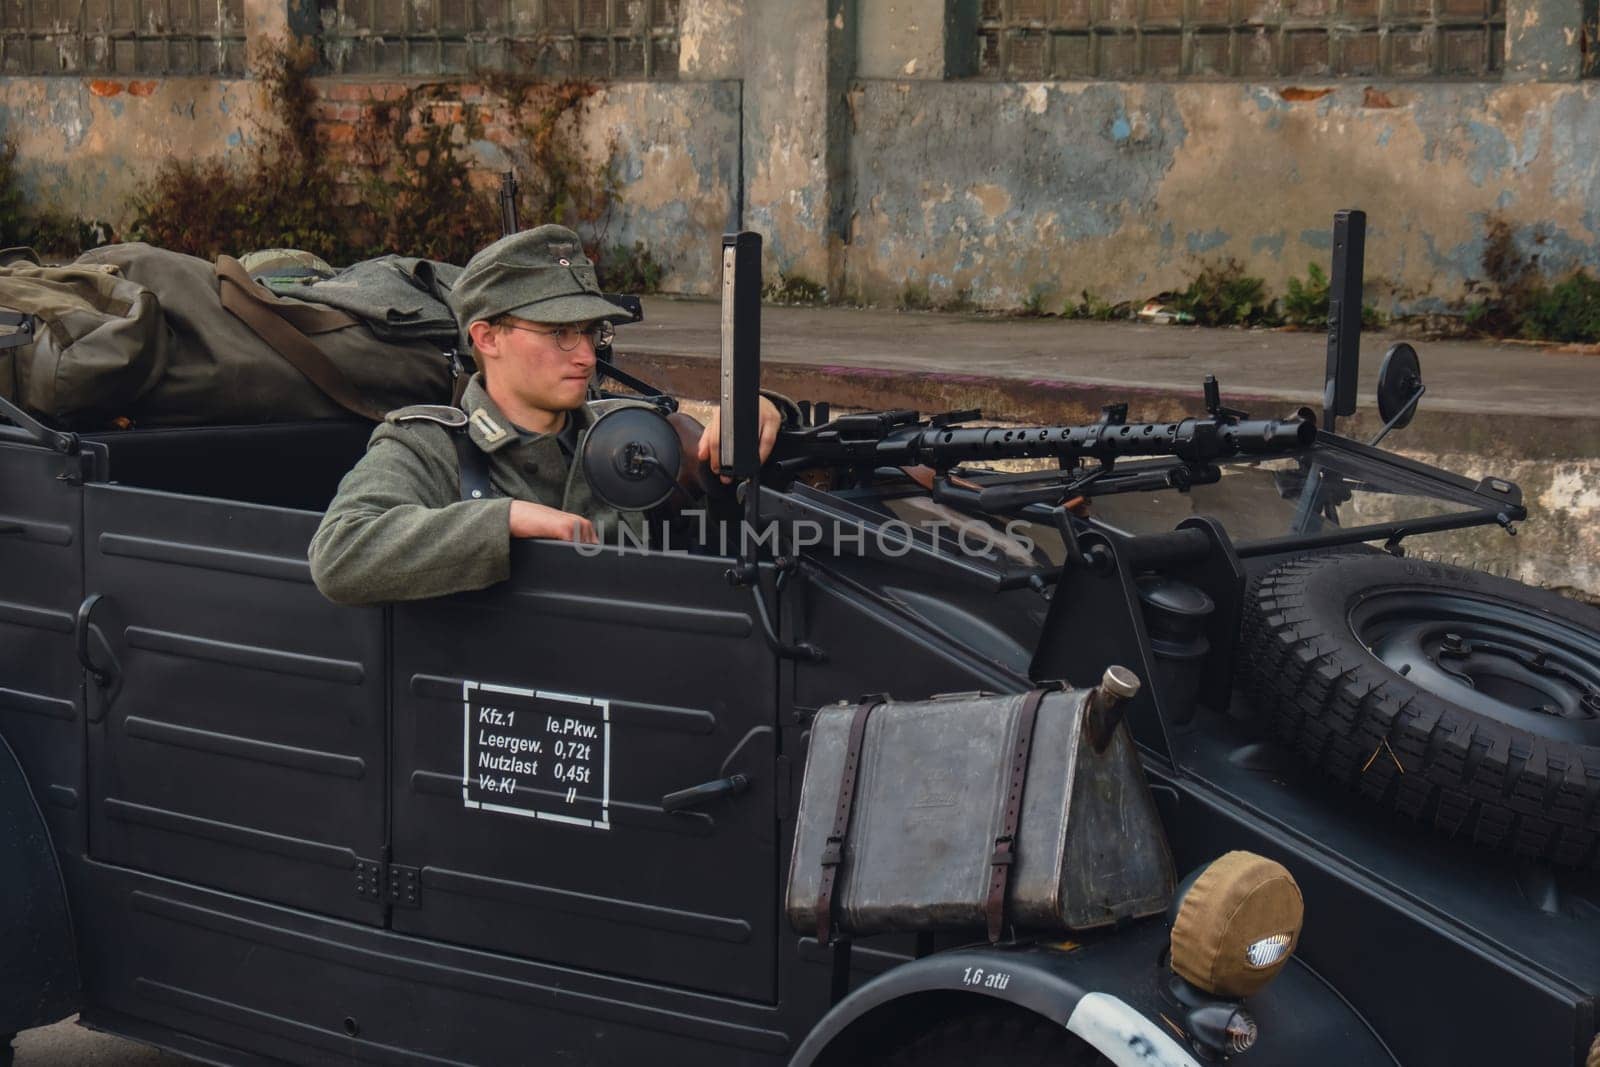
(857, 446)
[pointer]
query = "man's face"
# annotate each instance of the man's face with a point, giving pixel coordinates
(527, 360)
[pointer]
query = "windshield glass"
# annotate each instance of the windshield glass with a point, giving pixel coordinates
(1290, 496)
(1336, 493)
(1269, 503)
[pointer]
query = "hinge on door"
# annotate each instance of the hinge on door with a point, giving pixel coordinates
(389, 883)
(783, 786)
(405, 886)
(369, 879)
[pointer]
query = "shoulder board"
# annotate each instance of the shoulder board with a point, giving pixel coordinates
(443, 414)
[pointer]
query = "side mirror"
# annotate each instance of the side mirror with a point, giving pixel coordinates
(630, 458)
(1399, 388)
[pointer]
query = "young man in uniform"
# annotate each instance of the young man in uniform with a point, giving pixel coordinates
(404, 524)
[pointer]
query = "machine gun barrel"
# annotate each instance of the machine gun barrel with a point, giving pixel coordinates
(1192, 440)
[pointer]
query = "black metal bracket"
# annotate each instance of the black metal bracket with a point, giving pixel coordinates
(388, 883)
(1410, 406)
(604, 368)
(1095, 618)
(369, 880)
(1214, 404)
(24, 328)
(55, 440)
(747, 572)
(405, 886)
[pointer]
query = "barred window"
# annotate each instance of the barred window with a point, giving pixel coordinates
(1590, 41)
(601, 39)
(1026, 40)
(122, 37)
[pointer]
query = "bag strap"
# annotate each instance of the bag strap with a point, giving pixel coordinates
(473, 466)
(833, 851)
(256, 310)
(1005, 846)
(307, 318)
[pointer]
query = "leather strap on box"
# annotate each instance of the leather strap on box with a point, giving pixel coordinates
(1005, 846)
(833, 850)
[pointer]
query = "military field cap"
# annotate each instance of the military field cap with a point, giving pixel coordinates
(540, 275)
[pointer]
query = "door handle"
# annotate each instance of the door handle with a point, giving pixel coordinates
(82, 627)
(97, 628)
(705, 792)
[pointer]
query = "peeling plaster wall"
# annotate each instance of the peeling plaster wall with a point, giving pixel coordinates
(786, 130)
(976, 192)
(85, 145)
(676, 156)
(995, 192)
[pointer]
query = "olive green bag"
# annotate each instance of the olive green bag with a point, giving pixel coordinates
(100, 342)
(159, 338)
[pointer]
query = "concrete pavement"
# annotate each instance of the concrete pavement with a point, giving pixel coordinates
(1056, 356)
(66, 1044)
(1521, 412)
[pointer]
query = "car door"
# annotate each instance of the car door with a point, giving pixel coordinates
(537, 727)
(41, 555)
(240, 740)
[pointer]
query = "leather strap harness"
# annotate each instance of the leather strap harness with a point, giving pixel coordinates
(1005, 846)
(473, 465)
(833, 851)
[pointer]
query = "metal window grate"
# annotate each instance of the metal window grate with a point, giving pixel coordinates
(1590, 39)
(1028, 40)
(126, 37)
(600, 39)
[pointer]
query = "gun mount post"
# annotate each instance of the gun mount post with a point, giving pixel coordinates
(1344, 316)
(741, 353)
(508, 204)
(739, 397)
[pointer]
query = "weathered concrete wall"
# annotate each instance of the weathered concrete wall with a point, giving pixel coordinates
(829, 127)
(796, 59)
(901, 39)
(994, 191)
(85, 146)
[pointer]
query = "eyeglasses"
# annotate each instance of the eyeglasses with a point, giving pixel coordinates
(600, 334)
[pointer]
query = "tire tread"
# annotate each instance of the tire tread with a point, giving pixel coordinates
(1330, 700)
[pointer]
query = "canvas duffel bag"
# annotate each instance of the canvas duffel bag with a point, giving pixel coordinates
(973, 812)
(165, 339)
(97, 335)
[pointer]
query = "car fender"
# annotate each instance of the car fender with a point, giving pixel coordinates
(1121, 1033)
(1108, 993)
(38, 954)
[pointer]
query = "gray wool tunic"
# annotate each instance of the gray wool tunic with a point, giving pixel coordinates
(397, 528)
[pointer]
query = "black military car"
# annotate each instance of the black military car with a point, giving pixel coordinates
(550, 822)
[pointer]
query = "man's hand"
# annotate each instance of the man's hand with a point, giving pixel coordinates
(536, 520)
(711, 440)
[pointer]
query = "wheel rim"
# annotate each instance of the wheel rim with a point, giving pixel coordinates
(1504, 661)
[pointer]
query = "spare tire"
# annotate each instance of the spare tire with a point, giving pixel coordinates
(1467, 701)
